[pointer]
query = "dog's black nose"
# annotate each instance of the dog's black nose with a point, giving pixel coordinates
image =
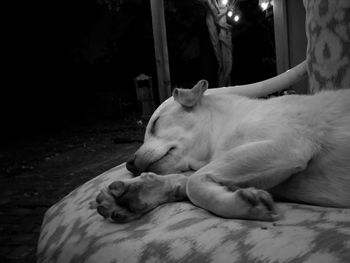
(130, 165)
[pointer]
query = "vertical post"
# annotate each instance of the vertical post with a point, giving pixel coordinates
(281, 35)
(161, 49)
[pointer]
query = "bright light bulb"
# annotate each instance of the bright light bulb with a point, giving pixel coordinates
(236, 18)
(264, 5)
(230, 13)
(224, 2)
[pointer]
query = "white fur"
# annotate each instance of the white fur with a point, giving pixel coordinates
(296, 147)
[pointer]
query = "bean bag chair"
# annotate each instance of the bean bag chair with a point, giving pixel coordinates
(180, 232)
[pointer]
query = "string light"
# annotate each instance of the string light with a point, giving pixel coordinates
(234, 14)
(224, 2)
(265, 4)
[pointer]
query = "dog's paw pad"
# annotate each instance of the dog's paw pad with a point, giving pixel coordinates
(119, 202)
(117, 188)
(249, 196)
(105, 203)
(261, 202)
(103, 211)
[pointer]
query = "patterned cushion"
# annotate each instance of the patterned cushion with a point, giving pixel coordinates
(328, 50)
(71, 232)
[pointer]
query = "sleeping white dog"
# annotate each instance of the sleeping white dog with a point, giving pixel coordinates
(239, 151)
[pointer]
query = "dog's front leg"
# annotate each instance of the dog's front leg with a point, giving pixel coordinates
(126, 200)
(225, 185)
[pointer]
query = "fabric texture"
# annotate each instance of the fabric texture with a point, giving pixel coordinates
(328, 50)
(181, 232)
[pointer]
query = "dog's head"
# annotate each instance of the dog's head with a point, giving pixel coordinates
(176, 138)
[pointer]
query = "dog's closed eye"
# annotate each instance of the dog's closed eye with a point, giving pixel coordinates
(153, 127)
(171, 149)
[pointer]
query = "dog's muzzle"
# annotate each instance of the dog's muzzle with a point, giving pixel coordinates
(130, 165)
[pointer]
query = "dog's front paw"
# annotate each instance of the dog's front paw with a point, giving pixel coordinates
(108, 204)
(127, 200)
(260, 202)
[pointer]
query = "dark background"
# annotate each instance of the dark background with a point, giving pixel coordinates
(73, 62)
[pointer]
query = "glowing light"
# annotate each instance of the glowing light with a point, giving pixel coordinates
(234, 14)
(264, 5)
(224, 2)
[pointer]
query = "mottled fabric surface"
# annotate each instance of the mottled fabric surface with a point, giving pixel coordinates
(328, 50)
(181, 232)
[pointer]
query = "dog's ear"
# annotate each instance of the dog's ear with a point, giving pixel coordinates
(189, 97)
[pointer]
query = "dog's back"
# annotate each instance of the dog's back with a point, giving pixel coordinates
(326, 180)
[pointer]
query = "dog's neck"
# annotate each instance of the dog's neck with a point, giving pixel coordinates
(220, 110)
(224, 107)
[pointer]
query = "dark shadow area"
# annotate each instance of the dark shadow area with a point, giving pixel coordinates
(76, 63)
(254, 57)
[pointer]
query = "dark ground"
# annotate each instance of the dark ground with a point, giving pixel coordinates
(37, 172)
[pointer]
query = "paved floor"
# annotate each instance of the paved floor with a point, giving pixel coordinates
(36, 173)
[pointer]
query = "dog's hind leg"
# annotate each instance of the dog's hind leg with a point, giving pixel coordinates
(225, 186)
